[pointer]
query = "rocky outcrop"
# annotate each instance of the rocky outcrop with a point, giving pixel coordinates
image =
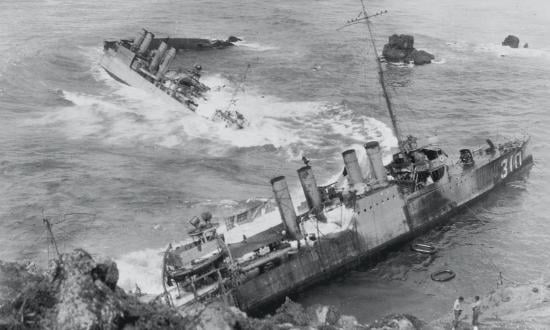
(511, 41)
(400, 48)
(79, 293)
(222, 43)
(397, 321)
(521, 306)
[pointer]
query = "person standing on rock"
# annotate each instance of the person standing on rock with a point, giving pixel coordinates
(476, 310)
(457, 310)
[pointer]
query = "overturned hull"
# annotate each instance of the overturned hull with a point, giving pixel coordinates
(385, 217)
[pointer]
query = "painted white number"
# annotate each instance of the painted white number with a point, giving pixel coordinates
(504, 165)
(518, 160)
(510, 164)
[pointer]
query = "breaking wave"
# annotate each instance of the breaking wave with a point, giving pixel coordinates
(256, 46)
(127, 115)
(500, 50)
(142, 268)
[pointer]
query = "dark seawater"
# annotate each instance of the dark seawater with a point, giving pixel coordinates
(134, 170)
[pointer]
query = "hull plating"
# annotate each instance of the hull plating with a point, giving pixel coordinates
(384, 219)
(118, 66)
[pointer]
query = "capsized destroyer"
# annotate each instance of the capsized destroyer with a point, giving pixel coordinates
(144, 62)
(270, 254)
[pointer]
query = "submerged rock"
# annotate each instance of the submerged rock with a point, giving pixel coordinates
(511, 41)
(400, 48)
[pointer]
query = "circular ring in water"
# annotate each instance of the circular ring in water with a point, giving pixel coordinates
(423, 248)
(443, 275)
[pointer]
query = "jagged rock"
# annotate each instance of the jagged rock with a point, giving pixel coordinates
(233, 39)
(421, 57)
(402, 41)
(396, 321)
(84, 300)
(511, 41)
(291, 312)
(13, 280)
(77, 293)
(221, 43)
(218, 316)
(400, 48)
(327, 315)
(394, 54)
(348, 322)
(107, 272)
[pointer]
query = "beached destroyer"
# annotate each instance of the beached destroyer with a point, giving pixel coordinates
(144, 62)
(266, 255)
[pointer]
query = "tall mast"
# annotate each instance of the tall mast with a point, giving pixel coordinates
(393, 118)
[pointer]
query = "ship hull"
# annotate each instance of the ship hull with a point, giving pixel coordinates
(385, 220)
(117, 65)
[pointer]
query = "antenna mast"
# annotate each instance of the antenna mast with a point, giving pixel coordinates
(52, 238)
(393, 118)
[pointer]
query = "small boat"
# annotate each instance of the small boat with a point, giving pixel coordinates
(196, 269)
(423, 248)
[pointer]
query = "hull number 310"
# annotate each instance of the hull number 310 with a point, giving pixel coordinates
(510, 164)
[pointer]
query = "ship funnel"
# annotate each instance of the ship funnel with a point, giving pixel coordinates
(286, 208)
(375, 159)
(144, 46)
(153, 67)
(170, 54)
(352, 167)
(311, 191)
(139, 39)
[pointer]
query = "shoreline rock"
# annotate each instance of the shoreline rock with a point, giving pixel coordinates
(79, 293)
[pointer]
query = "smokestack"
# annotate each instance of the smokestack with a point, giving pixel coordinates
(170, 54)
(158, 56)
(286, 208)
(309, 185)
(139, 39)
(144, 46)
(375, 159)
(352, 167)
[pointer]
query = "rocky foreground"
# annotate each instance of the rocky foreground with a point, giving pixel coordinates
(78, 292)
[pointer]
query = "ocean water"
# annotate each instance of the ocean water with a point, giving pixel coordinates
(119, 173)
